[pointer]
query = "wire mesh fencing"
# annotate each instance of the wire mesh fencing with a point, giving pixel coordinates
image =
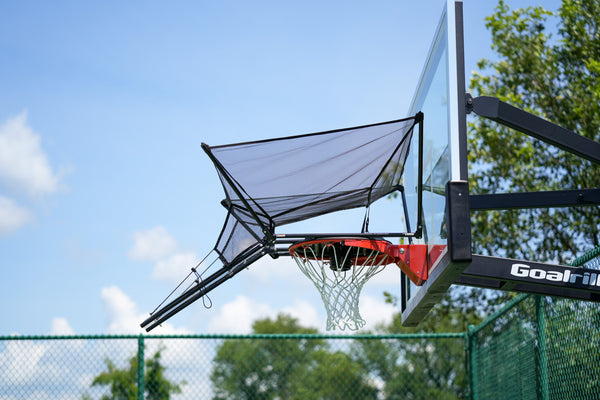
(411, 366)
(539, 348)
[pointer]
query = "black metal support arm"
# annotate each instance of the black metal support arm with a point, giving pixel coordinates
(558, 198)
(204, 287)
(532, 277)
(419, 232)
(532, 125)
(291, 238)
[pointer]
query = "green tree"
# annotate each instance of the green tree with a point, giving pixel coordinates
(557, 76)
(425, 368)
(333, 376)
(286, 368)
(415, 368)
(122, 382)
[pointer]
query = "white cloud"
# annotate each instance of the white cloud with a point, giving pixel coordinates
(376, 311)
(389, 276)
(156, 244)
(12, 215)
(60, 326)
(306, 314)
(121, 311)
(123, 316)
(268, 271)
(174, 268)
(152, 244)
(23, 163)
(19, 361)
(237, 316)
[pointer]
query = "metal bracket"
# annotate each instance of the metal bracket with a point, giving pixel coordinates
(546, 199)
(496, 110)
(468, 103)
(532, 277)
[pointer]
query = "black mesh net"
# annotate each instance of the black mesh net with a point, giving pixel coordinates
(273, 182)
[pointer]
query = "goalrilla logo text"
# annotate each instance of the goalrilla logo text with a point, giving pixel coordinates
(525, 271)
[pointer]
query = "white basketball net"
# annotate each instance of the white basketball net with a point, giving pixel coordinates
(340, 288)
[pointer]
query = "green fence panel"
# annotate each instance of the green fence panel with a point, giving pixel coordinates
(413, 366)
(539, 348)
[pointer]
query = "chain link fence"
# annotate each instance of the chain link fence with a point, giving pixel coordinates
(539, 348)
(412, 366)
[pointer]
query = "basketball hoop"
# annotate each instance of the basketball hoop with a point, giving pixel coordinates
(340, 267)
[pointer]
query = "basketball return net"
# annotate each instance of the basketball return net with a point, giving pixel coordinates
(357, 166)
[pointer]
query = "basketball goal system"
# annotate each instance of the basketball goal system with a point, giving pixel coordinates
(421, 161)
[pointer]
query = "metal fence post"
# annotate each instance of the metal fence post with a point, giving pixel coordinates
(140, 369)
(542, 355)
(472, 361)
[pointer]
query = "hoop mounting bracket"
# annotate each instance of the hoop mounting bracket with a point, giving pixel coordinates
(412, 260)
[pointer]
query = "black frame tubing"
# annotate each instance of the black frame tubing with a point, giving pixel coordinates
(496, 110)
(419, 232)
(204, 286)
(555, 198)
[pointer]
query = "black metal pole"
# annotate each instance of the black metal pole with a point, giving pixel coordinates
(419, 231)
(206, 289)
(281, 237)
(543, 199)
(532, 277)
(532, 125)
(203, 284)
(184, 296)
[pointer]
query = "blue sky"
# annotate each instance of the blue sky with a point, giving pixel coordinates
(106, 198)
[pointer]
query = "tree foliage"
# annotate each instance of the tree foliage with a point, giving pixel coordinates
(123, 382)
(554, 73)
(301, 367)
(423, 368)
(282, 368)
